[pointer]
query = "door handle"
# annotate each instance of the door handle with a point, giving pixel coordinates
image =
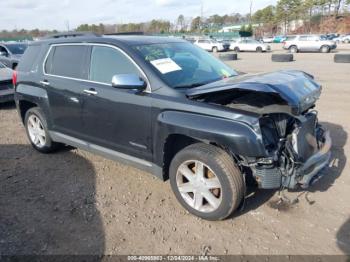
(45, 83)
(90, 91)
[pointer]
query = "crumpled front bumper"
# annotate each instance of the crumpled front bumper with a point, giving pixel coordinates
(309, 172)
(302, 176)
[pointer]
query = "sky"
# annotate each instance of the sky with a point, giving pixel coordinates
(58, 14)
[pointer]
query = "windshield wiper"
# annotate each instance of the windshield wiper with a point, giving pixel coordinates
(201, 84)
(191, 85)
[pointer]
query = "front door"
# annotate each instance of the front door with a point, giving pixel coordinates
(114, 118)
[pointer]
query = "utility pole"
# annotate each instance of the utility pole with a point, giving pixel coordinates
(67, 25)
(251, 10)
(201, 20)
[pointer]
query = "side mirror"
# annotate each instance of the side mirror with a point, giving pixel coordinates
(3, 53)
(128, 81)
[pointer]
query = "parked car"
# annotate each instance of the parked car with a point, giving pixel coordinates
(10, 53)
(346, 39)
(212, 45)
(268, 39)
(331, 36)
(249, 45)
(308, 43)
(279, 39)
(342, 39)
(170, 108)
(6, 86)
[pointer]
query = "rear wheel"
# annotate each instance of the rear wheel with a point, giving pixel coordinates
(293, 49)
(325, 49)
(206, 181)
(37, 132)
(215, 49)
(236, 49)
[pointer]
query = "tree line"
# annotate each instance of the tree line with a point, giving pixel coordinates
(272, 19)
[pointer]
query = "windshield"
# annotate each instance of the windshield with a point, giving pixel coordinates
(183, 65)
(17, 49)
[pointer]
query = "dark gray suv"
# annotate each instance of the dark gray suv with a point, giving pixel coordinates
(170, 108)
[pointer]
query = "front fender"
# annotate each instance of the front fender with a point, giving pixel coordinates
(239, 137)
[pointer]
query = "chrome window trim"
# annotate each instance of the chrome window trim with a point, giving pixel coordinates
(148, 88)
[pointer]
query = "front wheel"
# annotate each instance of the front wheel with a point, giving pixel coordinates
(215, 49)
(206, 181)
(37, 132)
(259, 49)
(236, 49)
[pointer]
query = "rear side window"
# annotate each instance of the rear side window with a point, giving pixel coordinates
(290, 38)
(68, 61)
(29, 60)
(107, 62)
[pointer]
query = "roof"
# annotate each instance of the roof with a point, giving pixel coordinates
(123, 39)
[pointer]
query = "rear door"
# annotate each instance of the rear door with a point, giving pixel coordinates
(65, 75)
(115, 118)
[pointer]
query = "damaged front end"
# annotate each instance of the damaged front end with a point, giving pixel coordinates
(297, 146)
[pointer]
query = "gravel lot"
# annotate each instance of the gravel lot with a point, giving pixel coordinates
(73, 202)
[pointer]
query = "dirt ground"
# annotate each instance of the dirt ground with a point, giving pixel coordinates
(73, 202)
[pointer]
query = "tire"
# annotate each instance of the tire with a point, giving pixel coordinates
(218, 166)
(325, 49)
(259, 49)
(228, 57)
(45, 143)
(342, 58)
(347, 41)
(236, 49)
(293, 49)
(215, 49)
(282, 57)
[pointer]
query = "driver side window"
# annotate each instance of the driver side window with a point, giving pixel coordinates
(107, 62)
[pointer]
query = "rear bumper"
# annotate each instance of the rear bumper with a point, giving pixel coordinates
(7, 95)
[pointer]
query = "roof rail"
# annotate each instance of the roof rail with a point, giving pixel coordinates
(127, 33)
(70, 34)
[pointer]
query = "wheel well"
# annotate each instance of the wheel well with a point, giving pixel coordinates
(24, 106)
(174, 144)
(293, 46)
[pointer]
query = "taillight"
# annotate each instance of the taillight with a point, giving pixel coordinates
(14, 78)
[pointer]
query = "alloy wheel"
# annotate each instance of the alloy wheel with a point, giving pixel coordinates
(36, 131)
(198, 185)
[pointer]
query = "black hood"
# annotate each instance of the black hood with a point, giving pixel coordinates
(297, 89)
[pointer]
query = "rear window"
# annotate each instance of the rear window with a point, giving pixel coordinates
(68, 61)
(17, 49)
(29, 60)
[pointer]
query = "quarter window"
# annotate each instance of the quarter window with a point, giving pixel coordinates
(107, 62)
(68, 61)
